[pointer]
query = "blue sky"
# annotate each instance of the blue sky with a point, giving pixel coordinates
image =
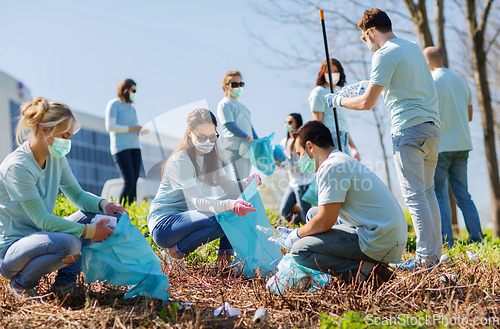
(177, 52)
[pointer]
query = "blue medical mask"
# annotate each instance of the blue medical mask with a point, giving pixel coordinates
(132, 97)
(60, 148)
(306, 164)
(288, 128)
(237, 92)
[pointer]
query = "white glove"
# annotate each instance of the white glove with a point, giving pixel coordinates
(333, 100)
(286, 241)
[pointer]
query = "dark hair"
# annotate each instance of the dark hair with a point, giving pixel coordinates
(375, 18)
(124, 90)
(298, 118)
(315, 132)
(320, 81)
(211, 160)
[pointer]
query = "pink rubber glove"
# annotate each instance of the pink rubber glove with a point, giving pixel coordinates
(112, 208)
(102, 231)
(250, 178)
(242, 208)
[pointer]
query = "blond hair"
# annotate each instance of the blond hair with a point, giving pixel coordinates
(227, 77)
(42, 113)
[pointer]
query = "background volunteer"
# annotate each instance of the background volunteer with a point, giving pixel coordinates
(455, 110)
(121, 123)
(323, 113)
(237, 128)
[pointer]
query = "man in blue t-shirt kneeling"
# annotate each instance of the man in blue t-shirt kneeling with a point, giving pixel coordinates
(372, 228)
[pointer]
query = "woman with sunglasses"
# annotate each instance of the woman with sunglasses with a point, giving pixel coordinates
(181, 218)
(323, 113)
(237, 126)
(121, 123)
(33, 241)
(298, 181)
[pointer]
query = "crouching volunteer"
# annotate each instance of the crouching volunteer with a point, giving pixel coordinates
(372, 229)
(33, 241)
(181, 218)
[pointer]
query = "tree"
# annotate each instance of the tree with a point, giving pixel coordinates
(479, 52)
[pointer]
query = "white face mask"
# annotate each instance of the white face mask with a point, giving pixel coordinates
(205, 147)
(370, 45)
(335, 78)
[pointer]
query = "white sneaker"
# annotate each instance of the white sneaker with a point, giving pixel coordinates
(176, 262)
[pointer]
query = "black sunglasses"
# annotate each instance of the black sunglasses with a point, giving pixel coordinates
(202, 138)
(289, 122)
(236, 84)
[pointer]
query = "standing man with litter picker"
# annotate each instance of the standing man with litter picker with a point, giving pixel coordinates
(401, 75)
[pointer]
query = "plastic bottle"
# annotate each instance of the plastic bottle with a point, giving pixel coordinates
(355, 89)
(271, 231)
(260, 316)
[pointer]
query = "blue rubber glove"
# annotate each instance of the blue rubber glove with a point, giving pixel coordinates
(333, 100)
(286, 241)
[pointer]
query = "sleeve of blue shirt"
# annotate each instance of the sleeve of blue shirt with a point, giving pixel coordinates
(231, 126)
(382, 70)
(254, 134)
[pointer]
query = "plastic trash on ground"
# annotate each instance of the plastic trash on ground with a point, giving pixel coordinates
(126, 258)
(226, 310)
(295, 277)
(252, 248)
(447, 278)
(472, 256)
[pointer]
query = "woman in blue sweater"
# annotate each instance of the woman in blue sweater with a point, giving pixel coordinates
(121, 123)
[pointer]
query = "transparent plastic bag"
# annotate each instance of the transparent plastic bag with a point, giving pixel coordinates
(294, 277)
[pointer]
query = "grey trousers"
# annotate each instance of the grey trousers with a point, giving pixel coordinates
(335, 251)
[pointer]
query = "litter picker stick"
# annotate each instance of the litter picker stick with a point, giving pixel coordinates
(323, 27)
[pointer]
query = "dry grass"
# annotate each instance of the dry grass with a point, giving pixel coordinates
(474, 294)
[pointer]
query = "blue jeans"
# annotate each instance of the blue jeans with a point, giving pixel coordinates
(335, 251)
(416, 154)
(189, 230)
(238, 167)
(129, 165)
(292, 196)
(31, 257)
(453, 165)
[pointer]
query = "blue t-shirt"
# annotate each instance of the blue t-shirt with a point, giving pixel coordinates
(367, 205)
(409, 93)
(126, 116)
(230, 110)
(454, 100)
(22, 179)
(317, 103)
